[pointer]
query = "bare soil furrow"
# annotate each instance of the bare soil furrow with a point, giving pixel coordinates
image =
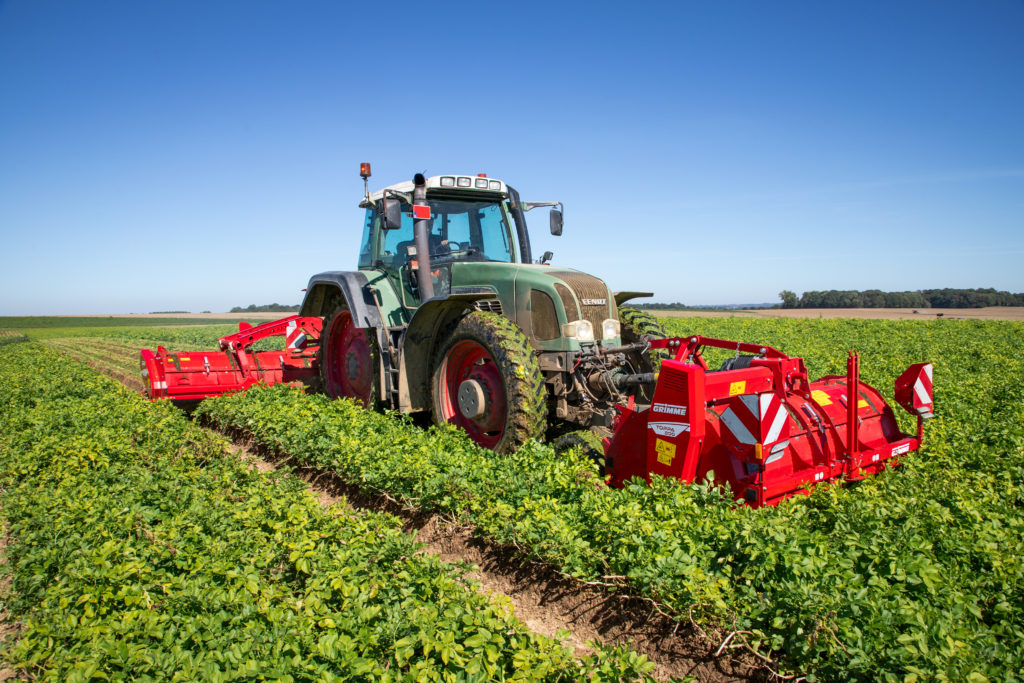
(543, 598)
(8, 628)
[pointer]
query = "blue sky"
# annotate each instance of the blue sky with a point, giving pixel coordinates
(198, 156)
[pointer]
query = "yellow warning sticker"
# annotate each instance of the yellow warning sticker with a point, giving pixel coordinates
(821, 397)
(666, 451)
(737, 388)
(862, 403)
(183, 358)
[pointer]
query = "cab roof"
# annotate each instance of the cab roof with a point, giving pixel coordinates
(460, 183)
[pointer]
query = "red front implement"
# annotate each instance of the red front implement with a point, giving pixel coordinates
(760, 425)
(195, 375)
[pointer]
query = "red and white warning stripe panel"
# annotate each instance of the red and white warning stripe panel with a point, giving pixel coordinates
(755, 418)
(923, 391)
(295, 336)
(914, 390)
(774, 425)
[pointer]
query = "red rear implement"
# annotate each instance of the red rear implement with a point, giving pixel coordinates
(195, 375)
(760, 425)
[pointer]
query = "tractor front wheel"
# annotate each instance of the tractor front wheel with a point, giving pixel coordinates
(588, 443)
(347, 359)
(487, 381)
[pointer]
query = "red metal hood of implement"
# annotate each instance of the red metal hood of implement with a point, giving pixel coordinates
(195, 375)
(760, 425)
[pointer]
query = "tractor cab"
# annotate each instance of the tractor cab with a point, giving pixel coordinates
(467, 220)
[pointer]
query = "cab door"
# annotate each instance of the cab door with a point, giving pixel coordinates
(397, 256)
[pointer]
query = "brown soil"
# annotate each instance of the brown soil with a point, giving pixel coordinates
(8, 628)
(542, 598)
(987, 313)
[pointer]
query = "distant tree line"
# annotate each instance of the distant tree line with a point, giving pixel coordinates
(677, 306)
(923, 298)
(266, 308)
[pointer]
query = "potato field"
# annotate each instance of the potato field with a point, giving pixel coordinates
(141, 547)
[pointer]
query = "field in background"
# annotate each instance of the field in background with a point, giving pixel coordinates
(111, 345)
(190, 318)
(987, 313)
(42, 322)
(25, 324)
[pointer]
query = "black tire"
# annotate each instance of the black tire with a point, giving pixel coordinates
(348, 359)
(486, 380)
(586, 441)
(639, 325)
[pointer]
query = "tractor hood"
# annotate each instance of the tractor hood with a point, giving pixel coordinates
(540, 298)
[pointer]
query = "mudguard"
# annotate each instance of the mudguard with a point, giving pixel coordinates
(354, 286)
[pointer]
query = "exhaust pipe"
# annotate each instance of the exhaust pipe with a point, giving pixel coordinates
(421, 228)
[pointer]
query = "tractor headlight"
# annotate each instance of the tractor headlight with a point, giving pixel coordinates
(610, 329)
(581, 331)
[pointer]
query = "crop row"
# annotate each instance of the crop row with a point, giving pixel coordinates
(200, 336)
(88, 324)
(11, 337)
(139, 548)
(117, 362)
(916, 573)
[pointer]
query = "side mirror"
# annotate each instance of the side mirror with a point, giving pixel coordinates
(545, 258)
(390, 214)
(556, 222)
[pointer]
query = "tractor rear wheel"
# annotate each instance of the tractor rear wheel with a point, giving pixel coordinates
(487, 381)
(636, 325)
(348, 359)
(587, 442)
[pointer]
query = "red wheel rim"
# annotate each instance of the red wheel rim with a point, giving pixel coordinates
(349, 363)
(469, 360)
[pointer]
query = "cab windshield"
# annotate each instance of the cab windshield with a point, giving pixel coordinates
(459, 230)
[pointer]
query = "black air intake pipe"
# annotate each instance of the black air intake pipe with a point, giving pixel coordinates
(421, 230)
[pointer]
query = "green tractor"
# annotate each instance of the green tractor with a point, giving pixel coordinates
(448, 313)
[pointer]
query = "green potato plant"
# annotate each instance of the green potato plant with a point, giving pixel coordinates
(140, 548)
(914, 574)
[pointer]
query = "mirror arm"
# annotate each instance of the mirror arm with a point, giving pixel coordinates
(533, 205)
(404, 196)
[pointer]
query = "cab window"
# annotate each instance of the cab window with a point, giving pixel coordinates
(366, 250)
(458, 231)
